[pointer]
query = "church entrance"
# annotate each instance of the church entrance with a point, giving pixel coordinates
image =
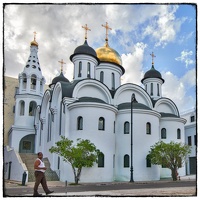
(27, 144)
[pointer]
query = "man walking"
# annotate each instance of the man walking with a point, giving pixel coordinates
(40, 169)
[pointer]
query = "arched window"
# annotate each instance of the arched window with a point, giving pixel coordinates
(148, 128)
(22, 107)
(151, 88)
(101, 125)
(163, 133)
(158, 92)
(126, 160)
(24, 81)
(32, 107)
(102, 76)
(101, 160)
(126, 128)
(148, 161)
(33, 81)
(79, 123)
(178, 133)
(88, 70)
(79, 69)
(113, 81)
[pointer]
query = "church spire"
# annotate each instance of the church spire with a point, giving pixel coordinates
(107, 28)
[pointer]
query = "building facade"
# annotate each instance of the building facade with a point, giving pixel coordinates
(191, 140)
(97, 107)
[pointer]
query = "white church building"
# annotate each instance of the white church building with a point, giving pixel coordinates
(97, 107)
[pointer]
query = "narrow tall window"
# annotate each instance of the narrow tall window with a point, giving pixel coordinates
(148, 128)
(101, 125)
(60, 119)
(101, 160)
(79, 123)
(148, 161)
(146, 87)
(158, 94)
(151, 89)
(79, 69)
(113, 81)
(114, 127)
(88, 70)
(32, 108)
(33, 81)
(22, 107)
(24, 81)
(41, 85)
(163, 133)
(102, 76)
(126, 160)
(49, 127)
(58, 162)
(195, 140)
(126, 128)
(192, 119)
(189, 140)
(178, 133)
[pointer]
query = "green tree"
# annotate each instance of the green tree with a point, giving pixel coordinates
(171, 155)
(83, 154)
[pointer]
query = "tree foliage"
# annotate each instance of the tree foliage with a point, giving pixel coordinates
(171, 155)
(83, 154)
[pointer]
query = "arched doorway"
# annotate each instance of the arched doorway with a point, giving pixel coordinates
(27, 144)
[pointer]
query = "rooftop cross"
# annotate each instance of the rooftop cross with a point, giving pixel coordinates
(106, 27)
(34, 35)
(62, 62)
(153, 56)
(86, 29)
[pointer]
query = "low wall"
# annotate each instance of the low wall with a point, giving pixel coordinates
(13, 165)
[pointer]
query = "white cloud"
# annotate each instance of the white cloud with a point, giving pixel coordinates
(163, 27)
(59, 32)
(175, 89)
(185, 57)
(132, 63)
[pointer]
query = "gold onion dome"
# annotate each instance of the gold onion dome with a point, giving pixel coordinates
(107, 54)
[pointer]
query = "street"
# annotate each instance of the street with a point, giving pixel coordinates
(157, 188)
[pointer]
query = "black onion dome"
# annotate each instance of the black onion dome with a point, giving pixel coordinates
(84, 49)
(153, 73)
(59, 78)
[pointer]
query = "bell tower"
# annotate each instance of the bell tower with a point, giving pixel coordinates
(28, 96)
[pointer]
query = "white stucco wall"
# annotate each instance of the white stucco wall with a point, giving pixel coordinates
(141, 144)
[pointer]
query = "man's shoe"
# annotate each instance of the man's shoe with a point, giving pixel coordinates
(49, 192)
(37, 195)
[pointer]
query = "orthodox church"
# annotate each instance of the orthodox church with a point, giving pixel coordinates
(122, 120)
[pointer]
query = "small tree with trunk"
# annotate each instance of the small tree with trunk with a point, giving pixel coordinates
(170, 155)
(83, 154)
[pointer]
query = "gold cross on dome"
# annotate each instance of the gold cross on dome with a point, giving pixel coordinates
(61, 62)
(86, 29)
(106, 27)
(153, 56)
(34, 35)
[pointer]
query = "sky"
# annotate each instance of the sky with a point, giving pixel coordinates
(168, 30)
